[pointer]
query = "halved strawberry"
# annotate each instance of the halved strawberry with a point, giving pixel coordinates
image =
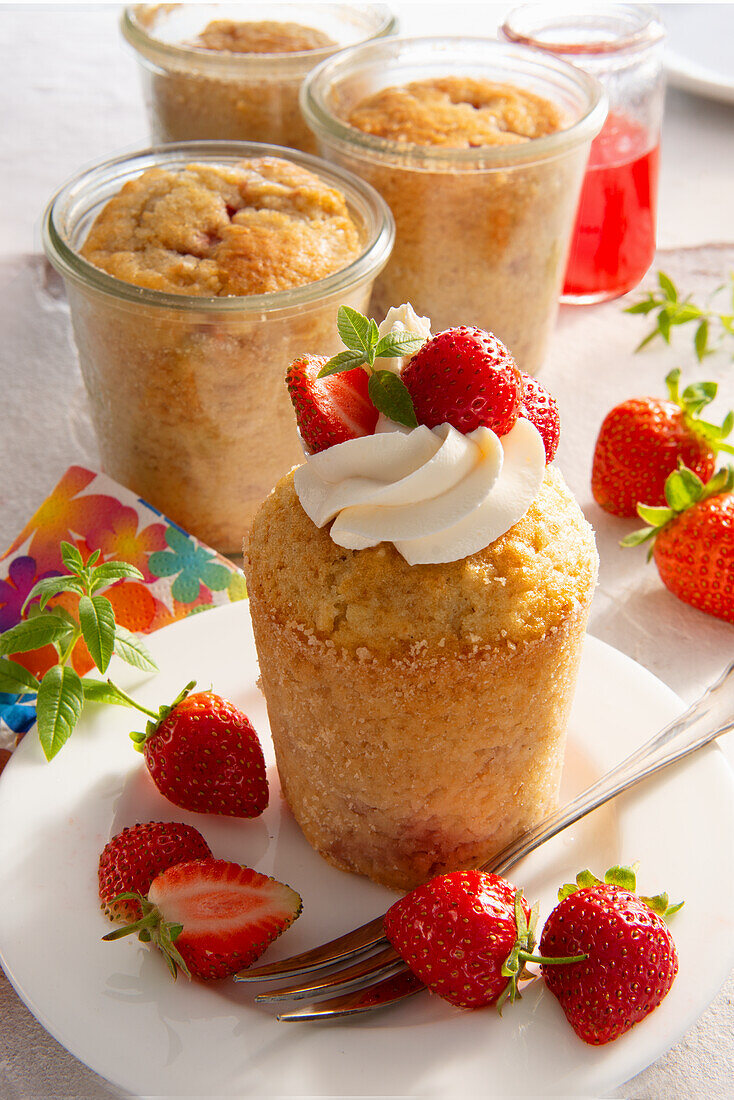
(210, 918)
(541, 410)
(329, 410)
(133, 858)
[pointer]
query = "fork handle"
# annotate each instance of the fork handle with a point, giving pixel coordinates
(705, 720)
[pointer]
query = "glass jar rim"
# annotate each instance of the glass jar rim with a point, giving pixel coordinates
(61, 217)
(644, 28)
(322, 120)
(225, 64)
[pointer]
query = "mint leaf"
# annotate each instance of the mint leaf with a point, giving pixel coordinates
(111, 571)
(373, 335)
(33, 633)
(390, 396)
(59, 705)
(51, 586)
(701, 340)
(15, 679)
(354, 329)
(667, 286)
(100, 691)
(97, 620)
(343, 360)
(71, 558)
(131, 649)
(394, 345)
(641, 307)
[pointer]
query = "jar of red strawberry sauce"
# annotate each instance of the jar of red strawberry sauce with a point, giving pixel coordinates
(621, 45)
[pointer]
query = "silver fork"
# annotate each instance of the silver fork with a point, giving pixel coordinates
(372, 975)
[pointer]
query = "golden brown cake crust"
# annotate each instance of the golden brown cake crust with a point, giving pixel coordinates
(259, 226)
(265, 36)
(457, 112)
(372, 603)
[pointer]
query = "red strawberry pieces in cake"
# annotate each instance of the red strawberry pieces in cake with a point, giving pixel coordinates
(630, 963)
(329, 410)
(211, 918)
(465, 377)
(133, 858)
(204, 756)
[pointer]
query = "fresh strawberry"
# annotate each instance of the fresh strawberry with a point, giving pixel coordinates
(204, 756)
(541, 410)
(631, 959)
(467, 935)
(133, 858)
(642, 441)
(329, 410)
(694, 540)
(465, 377)
(210, 918)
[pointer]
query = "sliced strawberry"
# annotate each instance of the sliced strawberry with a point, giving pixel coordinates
(211, 918)
(465, 377)
(133, 858)
(329, 410)
(541, 410)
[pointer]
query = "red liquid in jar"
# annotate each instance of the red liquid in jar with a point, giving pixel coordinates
(613, 242)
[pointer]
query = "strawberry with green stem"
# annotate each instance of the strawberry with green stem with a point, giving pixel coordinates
(61, 692)
(692, 538)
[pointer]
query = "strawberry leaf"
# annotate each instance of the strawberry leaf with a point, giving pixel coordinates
(59, 705)
(342, 361)
(97, 620)
(33, 633)
(683, 488)
(636, 538)
(354, 329)
(390, 396)
(15, 679)
(133, 650)
(696, 396)
(621, 876)
(653, 515)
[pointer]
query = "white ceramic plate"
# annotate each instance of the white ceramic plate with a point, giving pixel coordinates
(698, 52)
(114, 1006)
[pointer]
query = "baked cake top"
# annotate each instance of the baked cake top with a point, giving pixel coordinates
(214, 230)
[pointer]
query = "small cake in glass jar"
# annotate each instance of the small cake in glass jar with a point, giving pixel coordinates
(234, 71)
(479, 150)
(194, 274)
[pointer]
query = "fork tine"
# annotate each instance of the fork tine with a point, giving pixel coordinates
(368, 971)
(387, 992)
(342, 949)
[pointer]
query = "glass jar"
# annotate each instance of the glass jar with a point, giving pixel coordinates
(187, 393)
(482, 233)
(192, 92)
(621, 45)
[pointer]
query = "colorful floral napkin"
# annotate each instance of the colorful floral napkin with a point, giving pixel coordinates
(181, 576)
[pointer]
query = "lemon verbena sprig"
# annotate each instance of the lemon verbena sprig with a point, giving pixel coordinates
(61, 692)
(712, 328)
(387, 392)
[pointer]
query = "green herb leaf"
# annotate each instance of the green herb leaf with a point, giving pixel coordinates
(667, 286)
(111, 571)
(342, 361)
(642, 307)
(71, 558)
(97, 620)
(33, 633)
(390, 396)
(51, 586)
(133, 650)
(93, 558)
(15, 679)
(373, 336)
(354, 329)
(701, 339)
(59, 705)
(395, 345)
(101, 691)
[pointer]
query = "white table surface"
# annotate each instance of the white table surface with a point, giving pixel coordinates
(68, 96)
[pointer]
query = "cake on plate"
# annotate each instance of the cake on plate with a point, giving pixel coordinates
(419, 597)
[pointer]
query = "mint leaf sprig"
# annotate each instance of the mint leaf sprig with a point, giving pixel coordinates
(712, 328)
(387, 392)
(61, 692)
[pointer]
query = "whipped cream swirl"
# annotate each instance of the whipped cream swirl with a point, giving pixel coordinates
(436, 494)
